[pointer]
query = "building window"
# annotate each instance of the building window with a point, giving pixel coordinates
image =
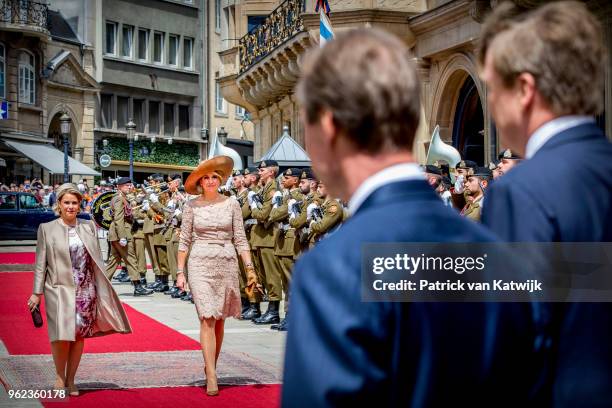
(218, 15)
(123, 111)
(240, 112)
(184, 121)
(143, 44)
(2, 72)
(188, 53)
(111, 38)
(158, 47)
(154, 117)
(173, 44)
(254, 21)
(106, 111)
(138, 115)
(27, 87)
(169, 119)
(220, 105)
(128, 41)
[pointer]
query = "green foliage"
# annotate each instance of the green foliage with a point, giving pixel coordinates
(179, 154)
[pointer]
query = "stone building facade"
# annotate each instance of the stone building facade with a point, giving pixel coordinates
(45, 71)
(260, 71)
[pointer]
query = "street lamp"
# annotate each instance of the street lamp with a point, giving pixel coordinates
(222, 135)
(65, 129)
(131, 127)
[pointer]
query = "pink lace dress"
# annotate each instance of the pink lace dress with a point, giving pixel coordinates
(212, 234)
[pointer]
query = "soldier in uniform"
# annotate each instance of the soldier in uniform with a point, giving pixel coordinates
(159, 214)
(287, 244)
(507, 160)
(329, 216)
(458, 195)
(251, 183)
(263, 239)
(475, 185)
(298, 214)
(139, 241)
(120, 237)
(173, 226)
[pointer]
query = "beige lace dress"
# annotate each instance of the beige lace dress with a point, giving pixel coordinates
(214, 232)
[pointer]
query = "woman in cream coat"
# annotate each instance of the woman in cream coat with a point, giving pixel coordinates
(80, 301)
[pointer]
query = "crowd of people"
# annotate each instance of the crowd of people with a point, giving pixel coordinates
(47, 194)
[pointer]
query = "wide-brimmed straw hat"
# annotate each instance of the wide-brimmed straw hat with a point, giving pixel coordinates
(222, 165)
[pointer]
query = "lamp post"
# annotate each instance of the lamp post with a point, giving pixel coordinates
(222, 135)
(131, 127)
(65, 129)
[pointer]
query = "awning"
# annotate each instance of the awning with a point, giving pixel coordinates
(50, 158)
(287, 152)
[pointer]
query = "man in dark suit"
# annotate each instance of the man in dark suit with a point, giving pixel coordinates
(544, 72)
(360, 101)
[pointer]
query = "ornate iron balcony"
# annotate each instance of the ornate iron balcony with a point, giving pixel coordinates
(280, 25)
(24, 12)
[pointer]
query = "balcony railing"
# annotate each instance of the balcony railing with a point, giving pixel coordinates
(280, 25)
(24, 12)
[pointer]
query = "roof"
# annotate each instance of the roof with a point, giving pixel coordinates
(287, 152)
(60, 29)
(50, 158)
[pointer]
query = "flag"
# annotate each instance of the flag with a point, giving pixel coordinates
(4, 110)
(326, 33)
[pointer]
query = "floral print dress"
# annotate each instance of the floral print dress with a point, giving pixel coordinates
(85, 286)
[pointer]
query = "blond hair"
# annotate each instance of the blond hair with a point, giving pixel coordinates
(560, 44)
(66, 188)
(367, 79)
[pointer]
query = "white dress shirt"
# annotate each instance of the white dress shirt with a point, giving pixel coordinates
(552, 128)
(391, 174)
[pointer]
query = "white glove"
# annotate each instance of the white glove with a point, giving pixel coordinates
(145, 205)
(253, 205)
(171, 204)
(291, 208)
(123, 242)
(177, 212)
(459, 185)
(149, 190)
(250, 196)
(309, 209)
(153, 198)
(277, 199)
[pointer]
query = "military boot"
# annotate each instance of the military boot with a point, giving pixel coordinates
(163, 286)
(155, 284)
(245, 305)
(253, 312)
(271, 316)
(140, 290)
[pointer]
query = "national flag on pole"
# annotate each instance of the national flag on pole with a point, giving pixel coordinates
(326, 33)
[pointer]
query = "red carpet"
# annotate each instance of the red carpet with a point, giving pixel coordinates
(246, 396)
(16, 325)
(17, 258)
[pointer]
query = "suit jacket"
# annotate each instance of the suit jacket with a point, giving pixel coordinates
(342, 351)
(53, 278)
(564, 194)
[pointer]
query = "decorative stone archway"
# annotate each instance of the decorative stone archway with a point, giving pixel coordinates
(456, 73)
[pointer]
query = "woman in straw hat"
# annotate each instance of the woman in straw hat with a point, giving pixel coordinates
(212, 232)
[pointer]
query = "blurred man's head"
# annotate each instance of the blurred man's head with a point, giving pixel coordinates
(322, 190)
(539, 65)
(360, 107)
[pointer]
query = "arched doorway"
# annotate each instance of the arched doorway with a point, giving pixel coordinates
(468, 123)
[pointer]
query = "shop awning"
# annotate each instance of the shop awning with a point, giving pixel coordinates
(50, 158)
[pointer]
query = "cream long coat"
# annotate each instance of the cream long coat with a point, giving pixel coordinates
(53, 277)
